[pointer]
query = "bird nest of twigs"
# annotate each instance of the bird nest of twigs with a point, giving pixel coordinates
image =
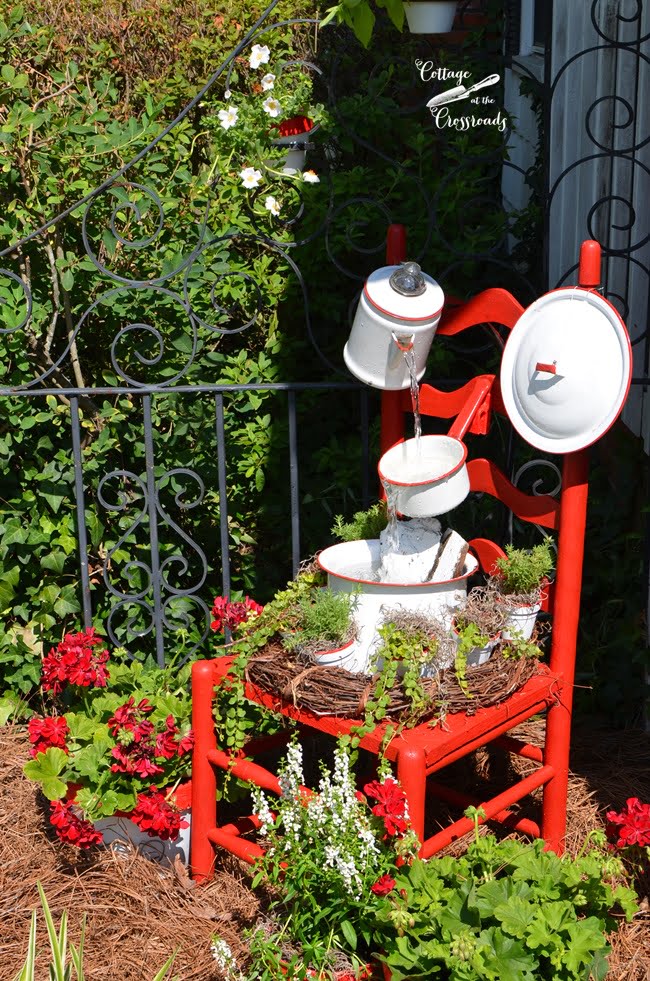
(336, 692)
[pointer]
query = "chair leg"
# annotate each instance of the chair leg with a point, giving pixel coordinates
(412, 776)
(204, 778)
(554, 801)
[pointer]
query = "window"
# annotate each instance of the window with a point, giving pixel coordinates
(532, 17)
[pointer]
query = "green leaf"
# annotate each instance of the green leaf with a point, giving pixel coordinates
(506, 959)
(515, 916)
(80, 726)
(46, 769)
(395, 10)
(586, 938)
(166, 968)
(58, 944)
(54, 561)
(54, 494)
(349, 933)
(8, 580)
(363, 22)
(67, 602)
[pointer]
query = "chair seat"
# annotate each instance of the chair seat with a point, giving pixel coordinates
(441, 742)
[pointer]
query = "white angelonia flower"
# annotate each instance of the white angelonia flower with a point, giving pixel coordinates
(260, 55)
(271, 204)
(262, 811)
(225, 960)
(228, 117)
(250, 177)
(311, 177)
(268, 81)
(272, 106)
(291, 778)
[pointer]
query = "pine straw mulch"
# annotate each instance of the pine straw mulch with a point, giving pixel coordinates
(333, 691)
(138, 912)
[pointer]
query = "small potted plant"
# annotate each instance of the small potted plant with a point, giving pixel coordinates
(268, 103)
(114, 746)
(433, 17)
(324, 629)
(519, 581)
(477, 628)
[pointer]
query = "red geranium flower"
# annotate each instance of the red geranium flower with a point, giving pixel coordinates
(631, 826)
(127, 716)
(139, 745)
(230, 615)
(391, 805)
(44, 733)
(74, 662)
(383, 886)
(154, 814)
(71, 828)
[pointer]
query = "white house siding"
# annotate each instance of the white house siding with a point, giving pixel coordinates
(581, 171)
(621, 122)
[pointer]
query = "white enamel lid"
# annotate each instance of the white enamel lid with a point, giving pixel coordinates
(566, 370)
(382, 296)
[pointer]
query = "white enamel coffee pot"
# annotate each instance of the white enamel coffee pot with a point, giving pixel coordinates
(396, 318)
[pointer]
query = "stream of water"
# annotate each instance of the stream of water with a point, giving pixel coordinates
(409, 357)
(392, 540)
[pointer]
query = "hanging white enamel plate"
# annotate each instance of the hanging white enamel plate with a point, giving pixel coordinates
(566, 370)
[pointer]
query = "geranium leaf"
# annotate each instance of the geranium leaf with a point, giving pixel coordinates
(46, 769)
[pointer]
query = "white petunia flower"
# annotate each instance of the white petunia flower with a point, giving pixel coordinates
(311, 177)
(227, 94)
(271, 204)
(272, 106)
(267, 82)
(260, 54)
(228, 117)
(250, 177)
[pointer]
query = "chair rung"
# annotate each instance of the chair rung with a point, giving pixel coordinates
(526, 750)
(491, 807)
(245, 770)
(459, 799)
(248, 851)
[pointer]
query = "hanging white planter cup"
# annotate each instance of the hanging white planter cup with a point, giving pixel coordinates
(295, 159)
(430, 16)
(396, 318)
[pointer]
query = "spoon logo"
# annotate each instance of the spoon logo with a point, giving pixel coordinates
(463, 90)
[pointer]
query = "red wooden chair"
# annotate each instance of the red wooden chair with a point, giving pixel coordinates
(420, 753)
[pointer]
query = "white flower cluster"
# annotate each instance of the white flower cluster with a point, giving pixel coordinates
(262, 811)
(229, 117)
(225, 960)
(346, 868)
(333, 818)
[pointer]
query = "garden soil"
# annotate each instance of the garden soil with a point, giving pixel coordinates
(138, 912)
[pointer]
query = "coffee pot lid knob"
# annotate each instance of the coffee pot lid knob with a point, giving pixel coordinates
(408, 280)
